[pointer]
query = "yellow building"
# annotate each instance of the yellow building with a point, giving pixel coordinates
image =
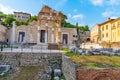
(94, 33)
(110, 32)
(115, 30)
(105, 31)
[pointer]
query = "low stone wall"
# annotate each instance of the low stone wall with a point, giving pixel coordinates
(54, 60)
(72, 71)
(68, 68)
(98, 74)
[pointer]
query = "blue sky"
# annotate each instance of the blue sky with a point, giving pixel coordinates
(85, 12)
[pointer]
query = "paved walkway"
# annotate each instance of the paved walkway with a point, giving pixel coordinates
(32, 50)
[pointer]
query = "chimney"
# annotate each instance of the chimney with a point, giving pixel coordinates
(108, 19)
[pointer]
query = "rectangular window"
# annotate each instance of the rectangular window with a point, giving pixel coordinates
(103, 28)
(106, 34)
(106, 27)
(18, 16)
(118, 32)
(23, 17)
(113, 25)
(118, 23)
(26, 17)
(103, 35)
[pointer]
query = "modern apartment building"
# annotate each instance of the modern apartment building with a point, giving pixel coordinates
(22, 17)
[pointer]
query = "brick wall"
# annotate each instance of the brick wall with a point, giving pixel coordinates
(72, 71)
(98, 74)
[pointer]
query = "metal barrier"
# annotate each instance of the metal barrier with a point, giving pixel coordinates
(32, 49)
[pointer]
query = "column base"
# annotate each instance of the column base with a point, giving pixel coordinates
(42, 46)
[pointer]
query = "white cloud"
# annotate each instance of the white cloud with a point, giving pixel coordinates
(79, 16)
(76, 18)
(105, 2)
(107, 13)
(69, 15)
(112, 12)
(113, 17)
(114, 2)
(97, 2)
(75, 10)
(6, 9)
(112, 9)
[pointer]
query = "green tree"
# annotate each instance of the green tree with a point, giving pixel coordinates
(66, 24)
(25, 23)
(33, 18)
(1, 12)
(18, 23)
(78, 36)
(2, 15)
(69, 25)
(86, 28)
(81, 28)
(8, 20)
(63, 22)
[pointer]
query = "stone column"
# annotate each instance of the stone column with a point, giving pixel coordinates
(52, 38)
(20, 38)
(38, 37)
(46, 37)
(13, 34)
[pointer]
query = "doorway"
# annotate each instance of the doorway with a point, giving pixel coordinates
(42, 36)
(65, 39)
(21, 37)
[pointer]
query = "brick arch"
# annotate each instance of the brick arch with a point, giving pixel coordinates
(103, 76)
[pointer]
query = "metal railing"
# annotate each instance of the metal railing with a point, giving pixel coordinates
(33, 49)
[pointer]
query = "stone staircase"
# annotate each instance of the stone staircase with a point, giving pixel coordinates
(4, 60)
(52, 46)
(42, 46)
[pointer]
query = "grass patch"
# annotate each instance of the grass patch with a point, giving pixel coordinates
(95, 61)
(27, 73)
(65, 49)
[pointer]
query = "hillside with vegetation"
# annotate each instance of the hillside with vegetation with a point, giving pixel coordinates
(7, 20)
(66, 24)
